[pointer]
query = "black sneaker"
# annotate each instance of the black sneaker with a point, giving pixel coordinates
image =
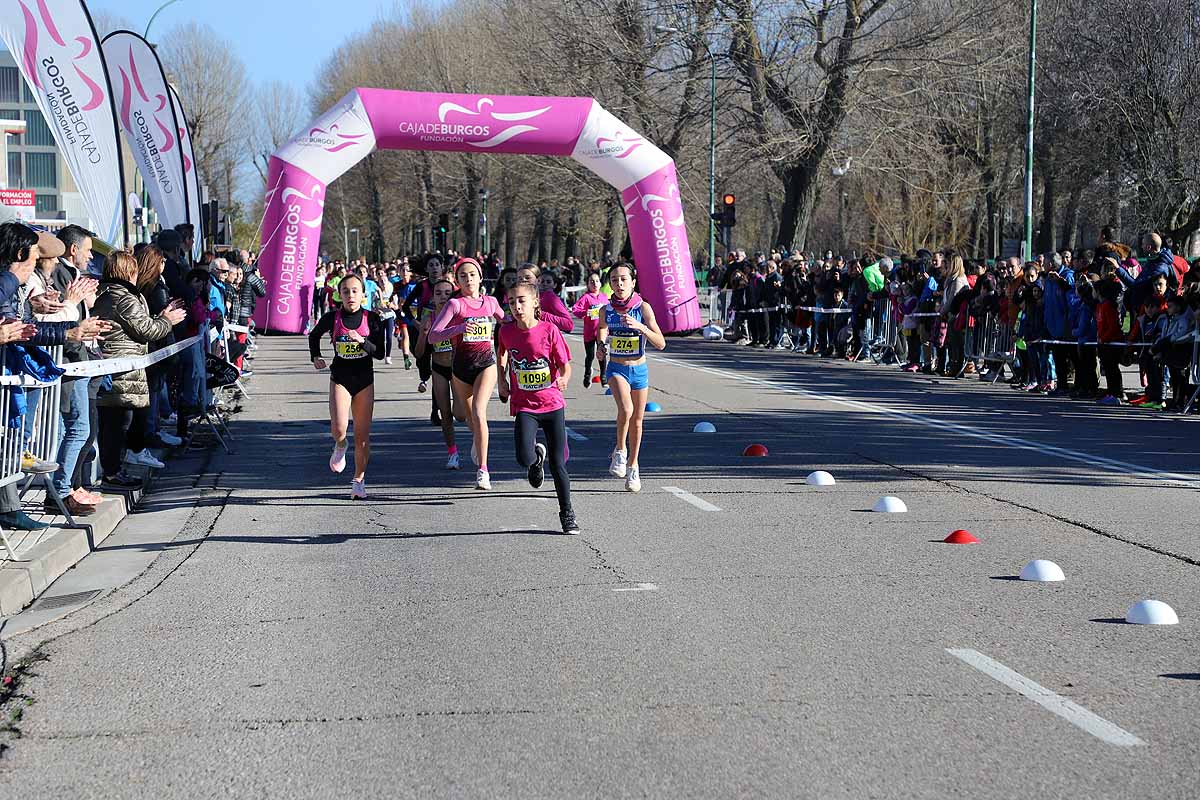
(587, 379)
(569, 525)
(122, 480)
(537, 470)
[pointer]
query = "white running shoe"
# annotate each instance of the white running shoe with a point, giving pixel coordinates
(634, 482)
(358, 490)
(387, 360)
(483, 481)
(452, 461)
(617, 467)
(337, 461)
(169, 439)
(143, 459)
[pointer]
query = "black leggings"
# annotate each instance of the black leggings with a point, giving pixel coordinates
(589, 350)
(554, 425)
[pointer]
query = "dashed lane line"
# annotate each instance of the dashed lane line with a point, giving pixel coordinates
(690, 498)
(1072, 712)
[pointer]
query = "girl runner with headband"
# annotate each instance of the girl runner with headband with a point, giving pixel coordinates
(471, 320)
(626, 325)
(588, 308)
(440, 356)
(357, 336)
(535, 367)
(553, 309)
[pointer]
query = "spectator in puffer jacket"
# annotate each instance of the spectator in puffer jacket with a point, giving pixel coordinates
(1160, 264)
(1059, 284)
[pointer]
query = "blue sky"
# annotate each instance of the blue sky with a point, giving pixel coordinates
(277, 39)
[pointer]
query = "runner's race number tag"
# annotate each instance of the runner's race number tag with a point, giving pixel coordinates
(594, 312)
(625, 345)
(534, 379)
(479, 329)
(345, 347)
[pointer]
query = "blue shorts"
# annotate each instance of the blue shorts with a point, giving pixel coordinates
(636, 375)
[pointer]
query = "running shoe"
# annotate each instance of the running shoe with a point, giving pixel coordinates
(421, 387)
(358, 490)
(123, 480)
(33, 465)
(452, 461)
(407, 362)
(337, 461)
(387, 360)
(537, 470)
(169, 439)
(634, 482)
(569, 525)
(1110, 400)
(617, 467)
(912, 368)
(587, 380)
(483, 481)
(143, 458)
(82, 495)
(1152, 405)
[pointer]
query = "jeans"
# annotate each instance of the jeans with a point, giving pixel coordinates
(32, 397)
(76, 429)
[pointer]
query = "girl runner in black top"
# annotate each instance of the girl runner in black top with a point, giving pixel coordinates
(358, 339)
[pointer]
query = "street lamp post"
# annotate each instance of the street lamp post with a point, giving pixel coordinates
(483, 221)
(1027, 249)
(712, 145)
(454, 213)
(154, 16)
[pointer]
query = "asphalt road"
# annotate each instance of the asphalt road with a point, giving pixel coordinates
(438, 641)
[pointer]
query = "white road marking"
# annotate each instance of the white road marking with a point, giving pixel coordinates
(1073, 713)
(637, 587)
(576, 435)
(688, 497)
(1191, 481)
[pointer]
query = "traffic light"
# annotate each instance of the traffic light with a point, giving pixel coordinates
(729, 215)
(443, 227)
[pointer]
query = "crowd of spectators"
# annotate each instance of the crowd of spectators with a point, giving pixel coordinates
(1068, 318)
(55, 293)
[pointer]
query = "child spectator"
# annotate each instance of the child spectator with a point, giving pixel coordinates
(1083, 328)
(1173, 349)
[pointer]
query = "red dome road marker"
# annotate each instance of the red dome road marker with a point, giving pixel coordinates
(961, 537)
(755, 451)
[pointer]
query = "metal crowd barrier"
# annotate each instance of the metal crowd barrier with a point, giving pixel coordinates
(47, 420)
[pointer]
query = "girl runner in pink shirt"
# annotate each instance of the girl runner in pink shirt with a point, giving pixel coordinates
(588, 308)
(535, 367)
(471, 320)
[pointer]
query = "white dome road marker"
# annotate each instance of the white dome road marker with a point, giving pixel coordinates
(688, 497)
(1072, 712)
(1151, 612)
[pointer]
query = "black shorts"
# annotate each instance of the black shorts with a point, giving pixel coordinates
(445, 370)
(467, 373)
(352, 377)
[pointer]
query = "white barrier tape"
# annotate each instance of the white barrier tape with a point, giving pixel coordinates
(112, 366)
(229, 326)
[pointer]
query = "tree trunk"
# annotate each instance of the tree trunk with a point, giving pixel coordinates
(1046, 239)
(610, 221)
(572, 246)
(555, 235)
(799, 202)
(510, 237)
(991, 209)
(539, 223)
(543, 237)
(1070, 223)
(378, 244)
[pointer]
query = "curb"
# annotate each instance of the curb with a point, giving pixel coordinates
(21, 582)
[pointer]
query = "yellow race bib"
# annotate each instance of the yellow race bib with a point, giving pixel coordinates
(533, 380)
(594, 312)
(479, 329)
(346, 348)
(625, 345)
(444, 346)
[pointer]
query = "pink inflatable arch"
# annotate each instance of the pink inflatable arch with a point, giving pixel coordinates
(578, 127)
